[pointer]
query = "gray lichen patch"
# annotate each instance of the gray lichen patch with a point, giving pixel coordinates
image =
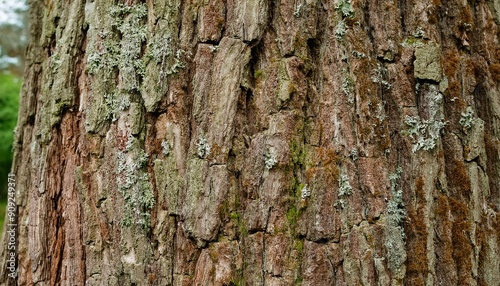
(134, 185)
(203, 148)
(104, 57)
(130, 22)
(379, 75)
(348, 87)
(412, 42)
(115, 103)
(165, 145)
(395, 207)
(424, 133)
(270, 158)
(160, 50)
(345, 8)
(467, 119)
(395, 244)
(474, 140)
(305, 192)
(345, 190)
(116, 50)
(427, 64)
(340, 30)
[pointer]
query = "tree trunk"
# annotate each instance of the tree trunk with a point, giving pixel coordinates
(346, 142)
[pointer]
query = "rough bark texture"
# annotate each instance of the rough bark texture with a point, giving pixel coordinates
(257, 142)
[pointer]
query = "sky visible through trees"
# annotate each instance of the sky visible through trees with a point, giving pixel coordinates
(9, 12)
(12, 25)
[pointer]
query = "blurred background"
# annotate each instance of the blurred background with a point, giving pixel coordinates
(13, 40)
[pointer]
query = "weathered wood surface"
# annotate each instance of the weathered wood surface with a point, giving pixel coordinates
(260, 143)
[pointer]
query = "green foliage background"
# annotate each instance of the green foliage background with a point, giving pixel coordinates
(9, 103)
(10, 86)
(14, 31)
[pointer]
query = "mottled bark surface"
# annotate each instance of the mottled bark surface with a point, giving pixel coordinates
(260, 143)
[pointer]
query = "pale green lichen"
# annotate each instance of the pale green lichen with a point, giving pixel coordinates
(305, 193)
(345, 8)
(160, 50)
(297, 11)
(354, 154)
(358, 55)
(165, 147)
(395, 236)
(270, 158)
(380, 112)
(412, 42)
(424, 134)
(115, 50)
(161, 61)
(55, 62)
(213, 48)
(204, 148)
(130, 142)
(348, 88)
(94, 61)
(378, 76)
(340, 30)
(129, 20)
(467, 119)
(419, 33)
(126, 54)
(178, 64)
(105, 58)
(389, 56)
(114, 104)
(133, 184)
(345, 190)
(395, 207)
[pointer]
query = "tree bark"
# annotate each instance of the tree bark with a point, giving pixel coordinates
(256, 142)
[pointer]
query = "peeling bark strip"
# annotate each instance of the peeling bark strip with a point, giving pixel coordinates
(231, 142)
